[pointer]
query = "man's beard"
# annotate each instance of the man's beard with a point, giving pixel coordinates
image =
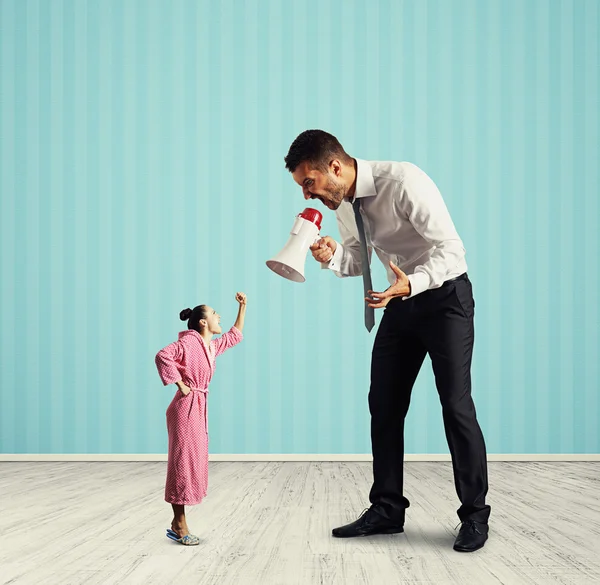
(336, 191)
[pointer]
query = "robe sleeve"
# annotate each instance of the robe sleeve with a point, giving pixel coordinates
(227, 340)
(167, 361)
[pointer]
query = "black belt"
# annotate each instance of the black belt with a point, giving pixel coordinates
(463, 276)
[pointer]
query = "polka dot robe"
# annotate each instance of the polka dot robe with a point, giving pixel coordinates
(190, 359)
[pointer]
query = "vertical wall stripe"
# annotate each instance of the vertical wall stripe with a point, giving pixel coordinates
(516, 198)
(147, 270)
(280, 383)
(81, 327)
(43, 423)
(121, 317)
(556, 228)
(591, 240)
(57, 372)
(527, 358)
(568, 202)
(31, 216)
(544, 292)
(93, 279)
(9, 291)
(106, 249)
(132, 299)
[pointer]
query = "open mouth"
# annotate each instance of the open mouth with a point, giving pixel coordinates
(325, 202)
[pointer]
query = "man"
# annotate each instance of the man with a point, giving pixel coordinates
(396, 210)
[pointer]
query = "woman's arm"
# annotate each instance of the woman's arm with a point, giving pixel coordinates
(234, 335)
(167, 362)
(239, 322)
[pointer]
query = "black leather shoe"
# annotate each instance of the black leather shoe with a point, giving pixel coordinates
(369, 522)
(471, 536)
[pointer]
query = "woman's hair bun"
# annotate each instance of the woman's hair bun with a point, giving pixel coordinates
(185, 314)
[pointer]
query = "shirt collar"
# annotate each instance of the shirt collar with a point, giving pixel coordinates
(365, 185)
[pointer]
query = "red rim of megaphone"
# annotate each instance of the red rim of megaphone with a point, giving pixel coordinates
(313, 215)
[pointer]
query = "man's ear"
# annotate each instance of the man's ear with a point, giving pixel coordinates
(336, 167)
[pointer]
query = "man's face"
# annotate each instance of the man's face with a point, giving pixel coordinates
(327, 187)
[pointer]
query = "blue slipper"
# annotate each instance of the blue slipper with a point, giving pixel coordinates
(187, 540)
(171, 531)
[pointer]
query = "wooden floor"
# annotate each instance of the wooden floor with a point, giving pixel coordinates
(270, 523)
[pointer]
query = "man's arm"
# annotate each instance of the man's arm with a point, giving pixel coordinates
(346, 257)
(429, 215)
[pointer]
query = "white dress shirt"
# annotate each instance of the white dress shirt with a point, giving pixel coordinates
(406, 221)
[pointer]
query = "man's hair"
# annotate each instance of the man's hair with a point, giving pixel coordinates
(316, 147)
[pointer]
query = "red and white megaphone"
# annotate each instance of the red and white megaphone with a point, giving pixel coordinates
(289, 263)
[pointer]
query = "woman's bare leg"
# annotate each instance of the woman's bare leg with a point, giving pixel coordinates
(179, 524)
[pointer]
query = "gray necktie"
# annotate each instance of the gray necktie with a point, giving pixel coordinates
(364, 260)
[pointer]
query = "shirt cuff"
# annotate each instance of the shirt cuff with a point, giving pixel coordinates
(419, 282)
(335, 263)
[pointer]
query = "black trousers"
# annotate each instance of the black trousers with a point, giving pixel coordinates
(438, 322)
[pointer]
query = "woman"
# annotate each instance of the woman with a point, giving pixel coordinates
(189, 363)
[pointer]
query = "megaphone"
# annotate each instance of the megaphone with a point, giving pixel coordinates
(289, 263)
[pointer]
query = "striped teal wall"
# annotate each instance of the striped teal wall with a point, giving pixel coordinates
(142, 172)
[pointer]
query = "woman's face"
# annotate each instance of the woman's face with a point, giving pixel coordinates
(213, 321)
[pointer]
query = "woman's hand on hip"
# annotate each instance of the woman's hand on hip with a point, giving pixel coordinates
(185, 390)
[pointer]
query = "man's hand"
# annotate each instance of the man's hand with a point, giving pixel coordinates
(323, 250)
(400, 288)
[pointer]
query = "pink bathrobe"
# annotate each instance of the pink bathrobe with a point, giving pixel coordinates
(190, 359)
